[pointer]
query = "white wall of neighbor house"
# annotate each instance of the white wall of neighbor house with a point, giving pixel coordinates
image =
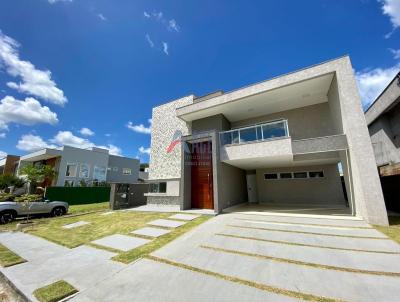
(317, 191)
(304, 122)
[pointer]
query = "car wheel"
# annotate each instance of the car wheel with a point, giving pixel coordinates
(59, 211)
(6, 217)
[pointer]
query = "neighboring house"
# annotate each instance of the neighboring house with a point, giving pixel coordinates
(73, 165)
(277, 142)
(9, 164)
(383, 120)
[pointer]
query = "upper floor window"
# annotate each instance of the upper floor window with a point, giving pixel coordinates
(126, 171)
(71, 170)
(115, 169)
(99, 173)
(84, 171)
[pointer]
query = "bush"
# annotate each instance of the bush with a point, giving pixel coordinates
(8, 180)
(28, 198)
(6, 197)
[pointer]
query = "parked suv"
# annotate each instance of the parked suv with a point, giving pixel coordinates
(9, 210)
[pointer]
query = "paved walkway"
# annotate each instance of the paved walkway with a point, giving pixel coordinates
(231, 257)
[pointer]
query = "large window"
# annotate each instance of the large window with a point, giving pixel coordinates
(126, 171)
(71, 170)
(84, 171)
(99, 173)
(158, 187)
(68, 183)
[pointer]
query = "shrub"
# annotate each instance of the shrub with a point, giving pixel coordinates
(6, 197)
(8, 180)
(28, 198)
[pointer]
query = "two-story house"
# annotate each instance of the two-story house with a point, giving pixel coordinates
(279, 142)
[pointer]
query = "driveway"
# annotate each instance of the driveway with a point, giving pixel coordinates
(255, 257)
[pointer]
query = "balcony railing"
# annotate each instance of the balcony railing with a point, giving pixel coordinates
(260, 132)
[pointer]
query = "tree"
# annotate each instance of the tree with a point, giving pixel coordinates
(8, 180)
(36, 175)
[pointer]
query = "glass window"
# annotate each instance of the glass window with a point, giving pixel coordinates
(235, 137)
(126, 171)
(316, 174)
(99, 173)
(271, 176)
(226, 138)
(286, 175)
(158, 187)
(248, 135)
(300, 174)
(68, 183)
(84, 171)
(274, 130)
(115, 169)
(71, 170)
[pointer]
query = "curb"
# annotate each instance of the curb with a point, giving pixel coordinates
(22, 297)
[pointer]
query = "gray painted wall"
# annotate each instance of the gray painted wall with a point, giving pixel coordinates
(233, 186)
(215, 122)
(321, 191)
(305, 122)
(116, 165)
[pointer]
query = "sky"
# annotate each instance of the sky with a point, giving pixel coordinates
(88, 72)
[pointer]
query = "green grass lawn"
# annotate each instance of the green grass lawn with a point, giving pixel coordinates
(8, 258)
(393, 230)
(54, 292)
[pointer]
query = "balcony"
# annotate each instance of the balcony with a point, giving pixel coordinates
(256, 133)
(262, 144)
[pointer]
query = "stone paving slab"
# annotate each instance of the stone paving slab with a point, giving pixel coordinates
(121, 242)
(299, 220)
(29, 247)
(311, 239)
(151, 281)
(151, 232)
(82, 267)
(186, 217)
(310, 228)
(75, 224)
(328, 283)
(167, 223)
(346, 259)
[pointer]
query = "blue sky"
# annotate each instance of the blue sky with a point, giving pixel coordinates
(88, 72)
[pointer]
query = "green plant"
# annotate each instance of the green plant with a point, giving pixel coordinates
(6, 197)
(28, 198)
(83, 183)
(36, 174)
(8, 180)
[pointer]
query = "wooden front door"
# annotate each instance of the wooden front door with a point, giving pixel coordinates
(202, 176)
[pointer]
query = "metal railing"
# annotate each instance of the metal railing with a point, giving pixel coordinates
(259, 132)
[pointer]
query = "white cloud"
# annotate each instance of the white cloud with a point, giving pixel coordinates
(67, 138)
(372, 82)
(30, 143)
(144, 150)
(34, 81)
(173, 26)
(165, 48)
(55, 1)
(146, 14)
(101, 17)
(140, 128)
(395, 52)
(158, 16)
(107, 134)
(2, 154)
(148, 39)
(391, 8)
(114, 150)
(28, 112)
(86, 132)
(2, 135)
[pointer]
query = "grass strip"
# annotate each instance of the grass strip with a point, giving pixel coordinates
(144, 250)
(393, 230)
(306, 245)
(260, 286)
(306, 224)
(304, 232)
(55, 292)
(9, 258)
(302, 263)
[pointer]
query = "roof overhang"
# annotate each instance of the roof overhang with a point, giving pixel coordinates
(41, 155)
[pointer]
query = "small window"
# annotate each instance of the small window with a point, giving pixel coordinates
(126, 171)
(300, 174)
(69, 183)
(99, 173)
(316, 174)
(286, 175)
(84, 171)
(115, 169)
(271, 176)
(71, 170)
(158, 187)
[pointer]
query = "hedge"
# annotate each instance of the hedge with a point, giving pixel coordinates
(78, 195)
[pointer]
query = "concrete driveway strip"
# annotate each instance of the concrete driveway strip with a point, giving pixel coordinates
(151, 281)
